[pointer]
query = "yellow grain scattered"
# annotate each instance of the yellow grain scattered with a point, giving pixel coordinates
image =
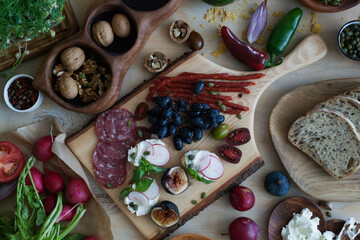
(342, 19)
(203, 54)
(252, 10)
(246, 1)
(244, 35)
(202, 25)
(221, 49)
(278, 14)
(261, 40)
(245, 16)
(218, 30)
(207, 16)
(256, 4)
(234, 16)
(316, 28)
(270, 27)
(313, 17)
(195, 18)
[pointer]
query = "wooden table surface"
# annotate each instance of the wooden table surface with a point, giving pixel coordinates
(215, 219)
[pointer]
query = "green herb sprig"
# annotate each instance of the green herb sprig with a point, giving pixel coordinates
(145, 168)
(196, 175)
(141, 186)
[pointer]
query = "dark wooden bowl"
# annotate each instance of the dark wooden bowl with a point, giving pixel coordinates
(283, 213)
(118, 60)
(319, 7)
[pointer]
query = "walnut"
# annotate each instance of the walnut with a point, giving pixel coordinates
(89, 67)
(103, 33)
(179, 31)
(121, 25)
(58, 70)
(72, 58)
(156, 62)
(68, 88)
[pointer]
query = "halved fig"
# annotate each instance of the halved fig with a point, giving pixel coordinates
(165, 214)
(175, 180)
(238, 136)
(229, 153)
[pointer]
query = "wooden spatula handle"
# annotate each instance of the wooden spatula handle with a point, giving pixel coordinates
(310, 50)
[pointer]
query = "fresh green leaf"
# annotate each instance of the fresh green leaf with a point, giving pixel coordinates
(195, 175)
(144, 184)
(25, 213)
(40, 217)
(156, 169)
(138, 174)
(76, 236)
(125, 192)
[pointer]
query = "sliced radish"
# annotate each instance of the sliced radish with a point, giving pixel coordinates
(148, 147)
(160, 157)
(204, 162)
(215, 170)
(153, 191)
(138, 198)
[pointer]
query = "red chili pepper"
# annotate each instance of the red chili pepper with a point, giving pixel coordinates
(243, 52)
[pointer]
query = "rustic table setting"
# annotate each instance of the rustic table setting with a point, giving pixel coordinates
(214, 220)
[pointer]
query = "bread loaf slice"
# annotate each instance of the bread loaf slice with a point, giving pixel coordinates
(330, 140)
(354, 94)
(345, 106)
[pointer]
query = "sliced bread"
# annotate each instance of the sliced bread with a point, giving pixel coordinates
(330, 140)
(354, 94)
(348, 107)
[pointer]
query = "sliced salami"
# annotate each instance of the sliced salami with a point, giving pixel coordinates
(100, 126)
(111, 177)
(120, 125)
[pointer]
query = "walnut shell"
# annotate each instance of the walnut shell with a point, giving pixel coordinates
(72, 58)
(155, 62)
(103, 33)
(179, 31)
(68, 88)
(121, 25)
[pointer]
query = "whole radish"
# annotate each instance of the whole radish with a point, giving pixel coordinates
(42, 148)
(67, 213)
(53, 182)
(38, 179)
(49, 203)
(77, 191)
(91, 238)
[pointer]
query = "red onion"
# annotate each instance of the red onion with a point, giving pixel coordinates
(6, 189)
(257, 23)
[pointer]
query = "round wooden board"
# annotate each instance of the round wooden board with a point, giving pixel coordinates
(306, 173)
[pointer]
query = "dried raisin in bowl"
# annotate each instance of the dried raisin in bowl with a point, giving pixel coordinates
(27, 100)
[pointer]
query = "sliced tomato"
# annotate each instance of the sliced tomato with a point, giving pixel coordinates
(12, 161)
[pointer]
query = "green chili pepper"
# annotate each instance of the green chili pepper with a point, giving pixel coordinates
(218, 2)
(282, 33)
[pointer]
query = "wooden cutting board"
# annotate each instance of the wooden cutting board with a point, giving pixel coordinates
(41, 45)
(83, 143)
(306, 173)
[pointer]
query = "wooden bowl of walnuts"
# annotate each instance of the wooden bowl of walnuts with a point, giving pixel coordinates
(84, 73)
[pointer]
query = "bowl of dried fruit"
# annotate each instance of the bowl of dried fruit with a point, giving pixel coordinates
(329, 6)
(84, 73)
(20, 95)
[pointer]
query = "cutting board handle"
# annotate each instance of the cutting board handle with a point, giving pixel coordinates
(309, 50)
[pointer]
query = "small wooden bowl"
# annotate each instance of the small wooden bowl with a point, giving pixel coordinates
(283, 213)
(319, 7)
(144, 17)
